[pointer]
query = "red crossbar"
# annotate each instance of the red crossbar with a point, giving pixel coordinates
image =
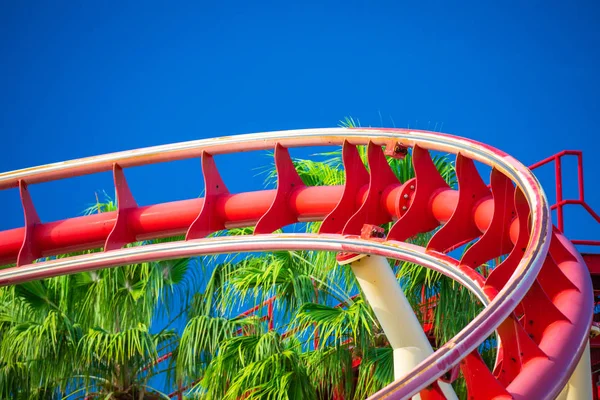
(560, 202)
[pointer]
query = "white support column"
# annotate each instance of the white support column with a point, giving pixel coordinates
(580, 384)
(395, 315)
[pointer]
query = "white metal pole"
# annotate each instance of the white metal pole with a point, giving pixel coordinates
(395, 315)
(580, 383)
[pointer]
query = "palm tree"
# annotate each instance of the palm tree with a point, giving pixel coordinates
(88, 335)
(324, 340)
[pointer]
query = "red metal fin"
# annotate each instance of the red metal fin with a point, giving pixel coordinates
(517, 349)
(496, 239)
(381, 178)
(29, 250)
(356, 177)
(540, 312)
(510, 366)
(281, 213)
(528, 349)
(553, 280)
(558, 251)
(121, 233)
(499, 359)
(461, 226)
(208, 221)
(502, 273)
(432, 392)
(481, 383)
(419, 217)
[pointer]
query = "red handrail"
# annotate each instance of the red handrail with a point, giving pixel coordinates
(560, 202)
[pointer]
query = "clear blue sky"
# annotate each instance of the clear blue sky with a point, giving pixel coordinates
(80, 79)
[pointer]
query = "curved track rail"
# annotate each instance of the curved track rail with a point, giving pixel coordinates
(538, 300)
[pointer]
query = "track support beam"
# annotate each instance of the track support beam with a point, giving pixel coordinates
(394, 313)
(580, 383)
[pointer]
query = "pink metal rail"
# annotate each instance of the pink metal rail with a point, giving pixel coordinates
(538, 300)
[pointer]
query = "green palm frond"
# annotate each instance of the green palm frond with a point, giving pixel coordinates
(348, 122)
(88, 331)
(281, 273)
(331, 371)
(99, 207)
(36, 294)
(276, 377)
(218, 298)
(37, 350)
(376, 371)
(337, 325)
(114, 348)
(202, 337)
(256, 366)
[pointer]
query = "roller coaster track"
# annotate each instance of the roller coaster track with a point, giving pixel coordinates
(538, 300)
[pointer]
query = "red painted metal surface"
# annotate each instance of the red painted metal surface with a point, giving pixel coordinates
(553, 280)
(29, 249)
(420, 216)
(281, 213)
(121, 233)
(517, 350)
(502, 273)
(357, 181)
(539, 313)
(208, 220)
(496, 239)
(461, 227)
(480, 381)
(593, 263)
(382, 182)
(174, 218)
(560, 202)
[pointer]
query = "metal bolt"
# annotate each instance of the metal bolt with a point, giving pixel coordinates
(412, 187)
(406, 196)
(404, 208)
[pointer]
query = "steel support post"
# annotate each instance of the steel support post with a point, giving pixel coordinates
(394, 313)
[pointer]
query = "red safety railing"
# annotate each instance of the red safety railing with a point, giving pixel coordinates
(560, 201)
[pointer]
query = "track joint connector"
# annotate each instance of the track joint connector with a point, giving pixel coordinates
(369, 232)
